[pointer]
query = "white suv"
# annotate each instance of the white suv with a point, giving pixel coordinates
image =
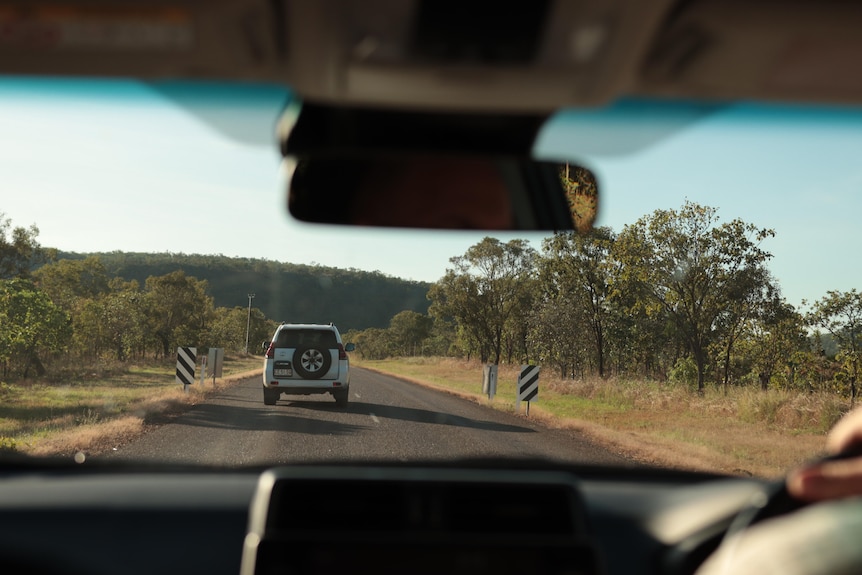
(303, 359)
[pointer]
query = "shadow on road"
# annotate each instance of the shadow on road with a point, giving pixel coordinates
(410, 414)
(262, 419)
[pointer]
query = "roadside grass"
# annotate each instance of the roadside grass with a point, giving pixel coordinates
(740, 431)
(95, 408)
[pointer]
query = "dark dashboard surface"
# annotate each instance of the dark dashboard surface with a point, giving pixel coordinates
(193, 521)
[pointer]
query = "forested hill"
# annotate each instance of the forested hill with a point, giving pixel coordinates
(352, 299)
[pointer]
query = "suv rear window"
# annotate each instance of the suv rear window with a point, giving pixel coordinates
(298, 337)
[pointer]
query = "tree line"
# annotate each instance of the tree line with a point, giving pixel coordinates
(78, 308)
(677, 295)
(298, 293)
(74, 311)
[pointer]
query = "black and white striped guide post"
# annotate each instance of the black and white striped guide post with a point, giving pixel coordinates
(186, 359)
(528, 386)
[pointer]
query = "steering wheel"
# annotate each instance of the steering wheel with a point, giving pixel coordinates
(775, 500)
(805, 538)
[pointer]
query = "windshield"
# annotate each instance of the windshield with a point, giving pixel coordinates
(147, 258)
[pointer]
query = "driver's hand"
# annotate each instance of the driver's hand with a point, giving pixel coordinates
(832, 479)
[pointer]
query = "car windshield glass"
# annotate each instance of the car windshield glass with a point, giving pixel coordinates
(145, 225)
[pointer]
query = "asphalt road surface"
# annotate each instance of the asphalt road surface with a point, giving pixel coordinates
(386, 419)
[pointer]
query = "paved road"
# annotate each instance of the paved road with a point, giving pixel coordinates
(386, 419)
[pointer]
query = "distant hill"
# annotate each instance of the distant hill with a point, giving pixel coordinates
(352, 299)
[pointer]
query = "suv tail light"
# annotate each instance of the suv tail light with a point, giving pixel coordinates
(270, 351)
(341, 353)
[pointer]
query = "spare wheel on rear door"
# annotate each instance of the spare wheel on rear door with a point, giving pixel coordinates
(312, 361)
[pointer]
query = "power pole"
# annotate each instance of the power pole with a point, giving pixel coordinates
(248, 322)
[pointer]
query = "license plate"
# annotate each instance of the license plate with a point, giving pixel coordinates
(283, 372)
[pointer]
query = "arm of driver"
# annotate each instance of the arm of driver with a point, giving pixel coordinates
(832, 479)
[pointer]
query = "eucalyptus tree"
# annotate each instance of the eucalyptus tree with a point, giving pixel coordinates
(408, 330)
(115, 322)
(840, 313)
(777, 339)
(558, 336)
(178, 309)
(20, 251)
(231, 326)
(68, 280)
(484, 291)
(749, 298)
(30, 325)
(684, 264)
(575, 272)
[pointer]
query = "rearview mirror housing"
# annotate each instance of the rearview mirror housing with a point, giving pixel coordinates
(427, 170)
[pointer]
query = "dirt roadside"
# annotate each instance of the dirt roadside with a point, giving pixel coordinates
(106, 436)
(642, 447)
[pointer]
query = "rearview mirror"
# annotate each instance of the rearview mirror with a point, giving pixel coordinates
(441, 191)
(428, 170)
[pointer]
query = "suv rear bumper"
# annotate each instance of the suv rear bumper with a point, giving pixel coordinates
(306, 388)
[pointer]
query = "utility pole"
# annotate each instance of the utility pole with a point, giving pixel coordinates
(248, 322)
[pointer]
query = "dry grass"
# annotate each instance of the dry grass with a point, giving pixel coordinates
(743, 432)
(97, 409)
(88, 439)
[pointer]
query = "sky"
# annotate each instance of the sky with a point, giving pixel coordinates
(105, 166)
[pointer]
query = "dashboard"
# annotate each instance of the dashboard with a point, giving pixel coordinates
(385, 519)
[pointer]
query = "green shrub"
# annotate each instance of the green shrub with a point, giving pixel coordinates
(7, 444)
(684, 372)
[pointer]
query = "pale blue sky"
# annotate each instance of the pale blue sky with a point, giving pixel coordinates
(796, 170)
(94, 167)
